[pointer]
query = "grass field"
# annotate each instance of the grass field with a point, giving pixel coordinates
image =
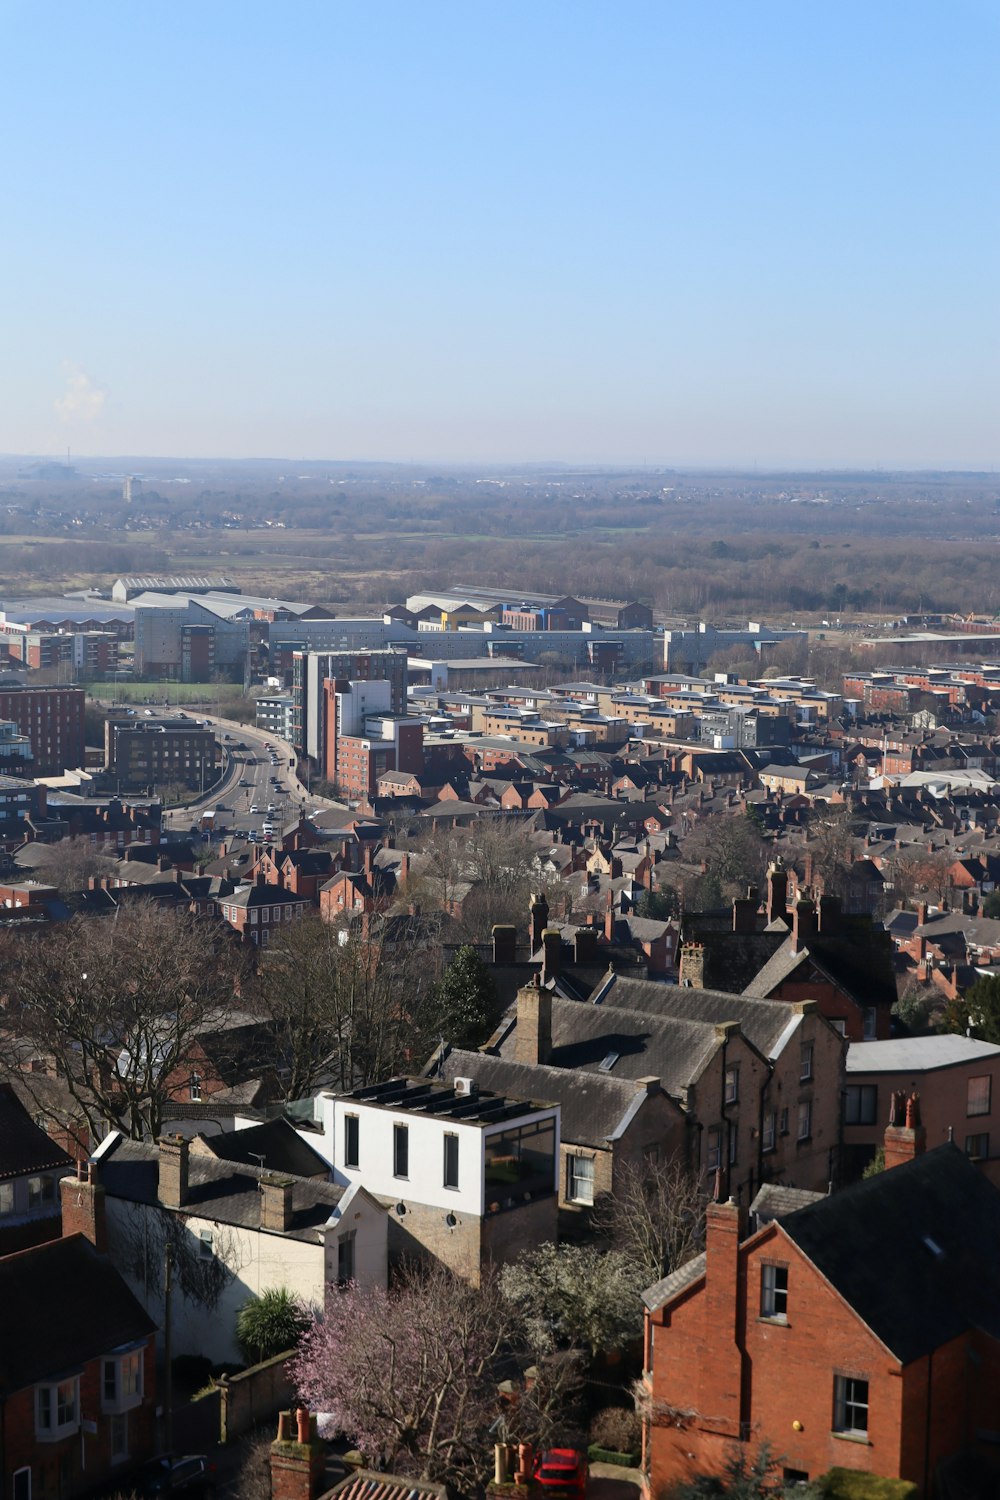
(204, 693)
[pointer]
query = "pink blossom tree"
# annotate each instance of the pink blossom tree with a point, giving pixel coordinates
(417, 1376)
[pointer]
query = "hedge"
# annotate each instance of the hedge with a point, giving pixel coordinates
(854, 1484)
(599, 1455)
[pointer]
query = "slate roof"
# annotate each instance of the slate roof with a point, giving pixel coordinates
(593, 1108)
(219, 1190)
(764, 1022)
(862, 969)
(915, 1251)
(674, 1050)
(776, 1201)
(63, 1304)
(24, 1146)
(276, 1141)
(661, 1291)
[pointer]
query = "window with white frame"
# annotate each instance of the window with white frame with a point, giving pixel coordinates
(57, 1410)
(581, 1179)
(850, 1405)
(21, 1484)
(978, 1145)
(770, 1130)
(732, 1088)
(805, 1120)
(783, 1122)
(806, 1062)
(714, 1158)
(870, 1016)
(194, 1088)
(6, 1197)
(121, 1381)
(206, 1244)
(774, 1292)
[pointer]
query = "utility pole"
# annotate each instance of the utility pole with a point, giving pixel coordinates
(168, 1379)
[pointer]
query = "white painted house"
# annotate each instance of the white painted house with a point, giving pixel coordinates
(235, 1231)
(465, 1173)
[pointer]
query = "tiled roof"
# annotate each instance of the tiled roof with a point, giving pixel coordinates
(219, 1190)
(775, 1200)
(662, 1291)
(764, 1022)
(915, 1251)
(364, 1484)
(24, 1146)
(63, 1304)
(593, 1107)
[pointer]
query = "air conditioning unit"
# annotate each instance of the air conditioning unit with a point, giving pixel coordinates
(465, 1085)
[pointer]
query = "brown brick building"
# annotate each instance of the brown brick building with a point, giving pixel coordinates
(844, 1334)
(52, 718)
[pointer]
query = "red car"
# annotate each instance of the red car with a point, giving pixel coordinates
(562, 1471)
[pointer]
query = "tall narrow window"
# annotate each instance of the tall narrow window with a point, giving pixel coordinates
(806, 1062)
(805, 1120)
(581, 1179)
(451, 1161)
(401, 1150)
(352, 1141)
(732, 1091)
(774, 1292)
(714, 1158)
(345, 1258)
(770, 1130)
(195, 1088)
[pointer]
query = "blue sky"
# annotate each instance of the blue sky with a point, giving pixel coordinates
(696, 233)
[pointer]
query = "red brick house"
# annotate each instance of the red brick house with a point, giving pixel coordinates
(77, 1370)
(843, 1334)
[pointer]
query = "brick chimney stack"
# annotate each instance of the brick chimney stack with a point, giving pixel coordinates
(172, 1188)
(276, 1203)
(803, 925)
(905, 1136)
(538, 920)
(722, 1368)
(504, 943)
(551, 953)
(533, 1037)
(298, 1458)
(83, 1207)
(776, 907)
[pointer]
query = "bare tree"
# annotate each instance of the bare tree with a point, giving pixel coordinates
(349, 1006)
(732, 851)
(656, 1215)
(833, 844)
(69, 864)
(118, 1004)
(489, 867)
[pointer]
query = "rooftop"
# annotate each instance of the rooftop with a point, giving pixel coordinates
(917, 1054)
(446, 1101)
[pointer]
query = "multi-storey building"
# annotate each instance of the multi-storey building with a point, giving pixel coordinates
(52, 719)
(312, 669)
(276, 715)
(141, 752)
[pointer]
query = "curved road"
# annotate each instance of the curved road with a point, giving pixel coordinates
(257, 777)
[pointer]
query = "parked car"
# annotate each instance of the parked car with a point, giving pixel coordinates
(194, 1474)
(562, 1471)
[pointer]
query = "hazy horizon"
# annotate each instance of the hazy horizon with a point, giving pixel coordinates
(654, 236)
